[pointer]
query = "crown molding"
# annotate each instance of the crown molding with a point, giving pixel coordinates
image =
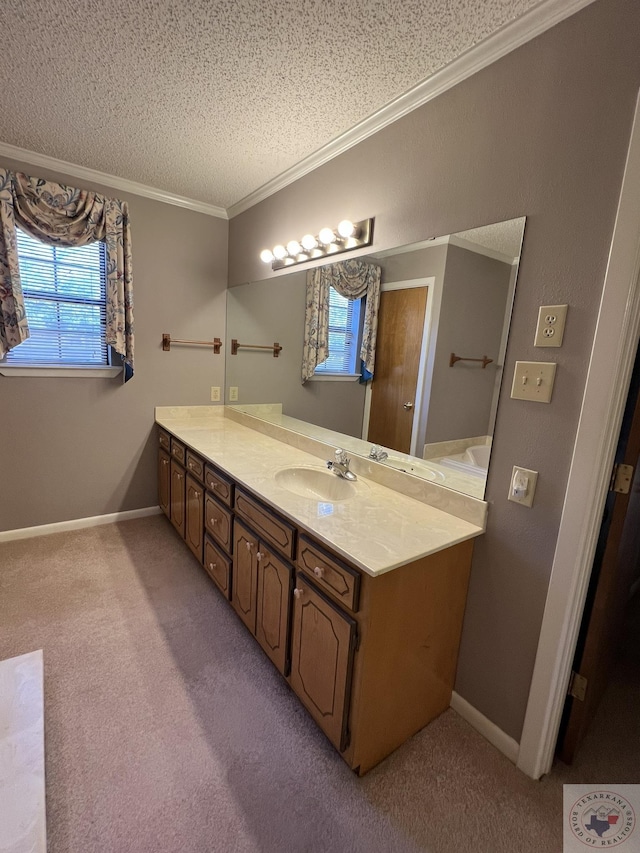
(33, 158)
(533, 23)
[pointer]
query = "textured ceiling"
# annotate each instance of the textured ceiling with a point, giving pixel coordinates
(210, 99)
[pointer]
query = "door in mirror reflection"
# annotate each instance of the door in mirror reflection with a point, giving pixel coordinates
(394, 388)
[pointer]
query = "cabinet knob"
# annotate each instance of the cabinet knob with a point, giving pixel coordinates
(196, 494)
(318, 571)
(165, 461)
(213, 520)
(212, 565)
(190, 464)
(179, 476)
(248, 544)
(259, 555)
(298, 592)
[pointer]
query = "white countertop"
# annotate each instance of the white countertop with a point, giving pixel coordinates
(377, 530)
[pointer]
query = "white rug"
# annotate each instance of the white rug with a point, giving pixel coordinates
(22, 791)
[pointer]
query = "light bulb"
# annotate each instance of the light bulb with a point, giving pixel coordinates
(294, 248)
(279, 252)
(266, 255)
(309, 242)
(346, 229)
(327, 236)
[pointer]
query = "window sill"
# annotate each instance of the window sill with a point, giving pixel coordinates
(334, 377)
(58, 371)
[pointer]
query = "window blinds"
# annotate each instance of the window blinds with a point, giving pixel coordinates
(65, 298)
(344, 320)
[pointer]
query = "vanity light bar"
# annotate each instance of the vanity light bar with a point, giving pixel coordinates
(346, 237)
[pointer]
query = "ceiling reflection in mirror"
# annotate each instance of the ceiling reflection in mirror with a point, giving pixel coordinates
(430, 410)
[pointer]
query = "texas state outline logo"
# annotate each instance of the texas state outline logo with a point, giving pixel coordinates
(603, 818)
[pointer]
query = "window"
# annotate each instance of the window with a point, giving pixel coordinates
(344, 328)
(65, 300)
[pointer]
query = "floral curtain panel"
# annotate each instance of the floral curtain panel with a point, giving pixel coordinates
(64, 216)
(352, 279)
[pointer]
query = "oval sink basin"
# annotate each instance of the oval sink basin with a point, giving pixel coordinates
(315, 484)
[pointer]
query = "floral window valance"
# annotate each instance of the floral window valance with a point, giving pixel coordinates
(64, 216)
(352, 279)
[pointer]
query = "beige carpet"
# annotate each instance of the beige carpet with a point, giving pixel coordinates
(167, 728)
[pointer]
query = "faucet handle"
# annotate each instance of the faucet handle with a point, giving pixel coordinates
(339, 454)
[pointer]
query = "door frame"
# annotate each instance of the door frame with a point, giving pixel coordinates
(425, 367)
(612, 357)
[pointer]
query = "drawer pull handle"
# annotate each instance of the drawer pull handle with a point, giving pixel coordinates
(318, 572)
(298, 592)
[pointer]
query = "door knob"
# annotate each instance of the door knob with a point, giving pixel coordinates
(408, 406)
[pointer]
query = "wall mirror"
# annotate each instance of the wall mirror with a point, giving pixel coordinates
(444, 318)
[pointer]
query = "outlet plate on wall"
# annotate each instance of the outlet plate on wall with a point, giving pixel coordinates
(550, 328)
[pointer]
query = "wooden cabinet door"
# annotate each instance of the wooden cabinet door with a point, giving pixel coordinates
(273, 607)
(177, 515)
(164, 488)
(218, 566)
(244, 584)
(194, 526)
(322, 652)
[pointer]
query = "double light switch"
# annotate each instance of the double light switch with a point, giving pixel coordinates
(533, 380)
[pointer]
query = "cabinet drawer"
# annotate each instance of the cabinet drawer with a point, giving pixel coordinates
(178, 450)
(218, 566)
(218, 522)
(195, 466)
(219, 485)
(164, 439)
(275, 530)
(339, 581)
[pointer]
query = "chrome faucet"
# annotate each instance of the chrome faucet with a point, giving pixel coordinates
(377, 453)
(341, 466)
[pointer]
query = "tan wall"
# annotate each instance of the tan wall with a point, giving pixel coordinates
(542, 133)
(80, 447)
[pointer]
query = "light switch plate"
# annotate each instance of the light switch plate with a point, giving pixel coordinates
(533, 380)
(524, 497)
(550, 328)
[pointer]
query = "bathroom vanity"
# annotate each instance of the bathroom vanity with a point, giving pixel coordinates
(356, 595)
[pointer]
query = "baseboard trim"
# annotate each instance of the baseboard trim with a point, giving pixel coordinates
(76, 523)
(496, 737)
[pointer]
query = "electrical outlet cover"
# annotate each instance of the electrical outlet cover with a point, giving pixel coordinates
(519, 476)
(550, 328)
